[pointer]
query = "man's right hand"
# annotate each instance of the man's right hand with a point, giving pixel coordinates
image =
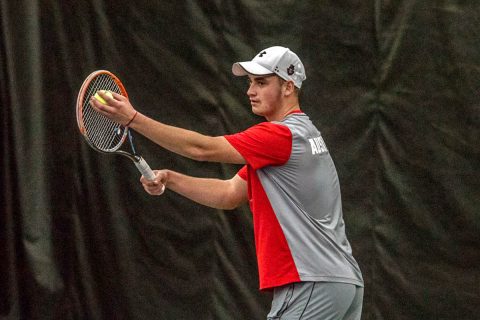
(156, 186)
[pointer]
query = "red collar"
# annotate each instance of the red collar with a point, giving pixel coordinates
(294, 111)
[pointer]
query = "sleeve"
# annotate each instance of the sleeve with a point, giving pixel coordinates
(242, 173)
(265, 144)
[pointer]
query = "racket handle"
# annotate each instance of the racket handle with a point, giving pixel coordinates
(144, 169)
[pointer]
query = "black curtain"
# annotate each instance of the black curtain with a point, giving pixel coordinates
(392, 85)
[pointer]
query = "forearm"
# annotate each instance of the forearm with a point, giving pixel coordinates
(184, 142)
(214, 193)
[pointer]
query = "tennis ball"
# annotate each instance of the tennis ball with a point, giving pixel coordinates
(100, 99)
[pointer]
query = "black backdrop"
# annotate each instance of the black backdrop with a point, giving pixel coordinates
(392, 85)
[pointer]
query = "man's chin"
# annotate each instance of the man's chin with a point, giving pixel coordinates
(257, 112)
(256, 108)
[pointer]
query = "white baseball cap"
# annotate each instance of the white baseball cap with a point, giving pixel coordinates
(279, 60)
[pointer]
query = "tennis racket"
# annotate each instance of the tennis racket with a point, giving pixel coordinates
(101, 133)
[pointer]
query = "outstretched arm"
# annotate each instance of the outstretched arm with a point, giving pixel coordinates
(187, 143)
(215, 193)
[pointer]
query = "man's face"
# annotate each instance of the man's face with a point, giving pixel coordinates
(265, 93)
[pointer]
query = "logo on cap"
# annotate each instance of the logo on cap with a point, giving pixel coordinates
(262, 53)
(291, 70)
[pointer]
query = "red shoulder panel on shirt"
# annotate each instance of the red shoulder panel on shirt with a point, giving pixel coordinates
(265, 144)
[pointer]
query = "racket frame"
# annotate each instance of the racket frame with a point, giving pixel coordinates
(140, 163)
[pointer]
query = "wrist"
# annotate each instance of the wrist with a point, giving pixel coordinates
(132, 118)
(170, 180)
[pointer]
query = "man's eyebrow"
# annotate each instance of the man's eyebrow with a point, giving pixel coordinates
(262, 77)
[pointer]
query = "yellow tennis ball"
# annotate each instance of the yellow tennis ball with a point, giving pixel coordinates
(100, 99)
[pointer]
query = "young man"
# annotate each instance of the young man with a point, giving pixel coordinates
(289, 180)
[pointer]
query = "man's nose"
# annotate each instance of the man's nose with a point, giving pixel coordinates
(250, 91)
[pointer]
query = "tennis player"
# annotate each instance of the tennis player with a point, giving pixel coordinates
(289, 181)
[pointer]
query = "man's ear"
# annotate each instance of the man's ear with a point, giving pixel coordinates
(289, 88)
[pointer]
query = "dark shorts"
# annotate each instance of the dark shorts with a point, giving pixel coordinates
(317, 300)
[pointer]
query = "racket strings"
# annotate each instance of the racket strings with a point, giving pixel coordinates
(100, 126)
(102, 132)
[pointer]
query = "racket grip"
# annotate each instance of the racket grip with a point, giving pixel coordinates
(144, 169)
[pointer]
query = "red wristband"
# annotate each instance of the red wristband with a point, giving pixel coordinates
(128, 123)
